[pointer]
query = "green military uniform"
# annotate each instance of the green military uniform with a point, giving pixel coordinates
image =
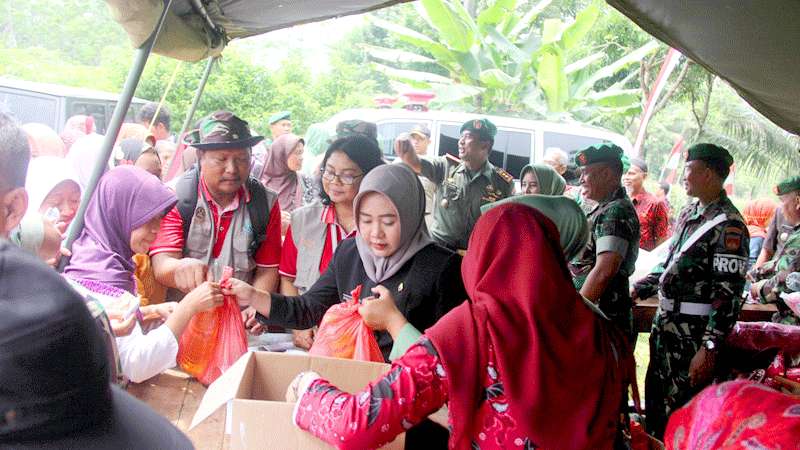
(460, 192)
(699, 287)
(771, 277)
(614, 227)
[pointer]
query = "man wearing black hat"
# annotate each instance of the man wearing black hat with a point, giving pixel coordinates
(14, 157)
(602, 269)
(223, 217)
(699, 288)
(770, 278)
(57, 391)
(463, 185)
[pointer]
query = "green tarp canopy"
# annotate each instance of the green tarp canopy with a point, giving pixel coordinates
(754, 45)
(197, 29)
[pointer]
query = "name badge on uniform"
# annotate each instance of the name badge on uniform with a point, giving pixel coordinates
(784, 236)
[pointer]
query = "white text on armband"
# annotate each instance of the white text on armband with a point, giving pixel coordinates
(730, 264)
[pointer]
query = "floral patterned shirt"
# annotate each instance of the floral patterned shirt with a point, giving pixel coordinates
(415, 387)
(653, 219)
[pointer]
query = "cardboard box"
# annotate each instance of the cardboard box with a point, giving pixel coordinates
(255, 386)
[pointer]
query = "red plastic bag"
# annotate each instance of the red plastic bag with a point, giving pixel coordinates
(343, 333)
(214, 339)
(196, 345)
(231, 341)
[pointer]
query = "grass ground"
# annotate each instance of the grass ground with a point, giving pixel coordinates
(642, 354)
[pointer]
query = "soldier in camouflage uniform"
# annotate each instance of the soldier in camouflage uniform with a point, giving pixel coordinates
(463, 185)
(771, 277)
(699, 288)
(602, 269)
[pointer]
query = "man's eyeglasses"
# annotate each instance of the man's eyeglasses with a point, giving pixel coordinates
(344, 178)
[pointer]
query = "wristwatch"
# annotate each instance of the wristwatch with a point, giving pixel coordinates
(710, 346)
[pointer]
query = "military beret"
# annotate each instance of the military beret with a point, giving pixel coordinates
(605, 152)
(788, 185)
(485, 129)
(277, 117)
(709, 152)
(626, 163)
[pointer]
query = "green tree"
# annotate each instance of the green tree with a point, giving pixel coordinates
(500, 62)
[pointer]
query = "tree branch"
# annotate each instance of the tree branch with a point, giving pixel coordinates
(663, 101)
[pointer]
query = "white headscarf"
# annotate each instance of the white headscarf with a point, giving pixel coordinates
(402, 187)
(82, 156)
(44, 174)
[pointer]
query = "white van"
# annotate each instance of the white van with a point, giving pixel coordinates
(518, 141)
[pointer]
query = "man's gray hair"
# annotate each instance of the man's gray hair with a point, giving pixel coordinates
(14, 153)
(560, 156)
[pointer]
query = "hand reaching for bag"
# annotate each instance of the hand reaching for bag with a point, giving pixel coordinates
(380, 312)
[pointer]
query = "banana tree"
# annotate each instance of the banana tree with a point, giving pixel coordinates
(498, 62)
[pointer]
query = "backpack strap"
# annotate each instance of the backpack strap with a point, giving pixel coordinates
(186, 191)
(259, 208)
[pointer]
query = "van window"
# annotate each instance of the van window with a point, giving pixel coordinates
(30, 108)
(570, 143)
(511, 150)
(388, 131)
(96, 110)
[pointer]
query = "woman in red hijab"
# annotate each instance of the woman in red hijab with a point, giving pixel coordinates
(523, 363)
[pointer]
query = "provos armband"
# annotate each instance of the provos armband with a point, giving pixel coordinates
(733, 264)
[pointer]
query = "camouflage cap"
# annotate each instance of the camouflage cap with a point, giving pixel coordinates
(604, 152)
(709, 152)
(349, 128)
(788, 185)
(221, 130)
(483, 127)
(277, 117)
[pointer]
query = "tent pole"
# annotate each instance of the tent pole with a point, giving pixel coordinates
(176, 159)
(132, 81)
(197, 95)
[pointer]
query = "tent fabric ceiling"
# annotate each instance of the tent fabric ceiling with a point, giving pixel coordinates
(187, 36)
(754, 45)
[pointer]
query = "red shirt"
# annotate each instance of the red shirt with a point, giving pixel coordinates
(653, 219)
(170, 235)
(335, 234)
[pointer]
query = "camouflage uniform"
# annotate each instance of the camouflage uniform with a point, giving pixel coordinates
(460, 195)
(614, 227)
(700, 291)
(772, 278)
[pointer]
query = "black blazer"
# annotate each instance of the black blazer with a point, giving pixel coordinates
(425, 288)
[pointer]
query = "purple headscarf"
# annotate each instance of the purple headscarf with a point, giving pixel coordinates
(278, 176)
(126, 198)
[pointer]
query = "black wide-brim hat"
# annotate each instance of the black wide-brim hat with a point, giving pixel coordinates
(56, 391)
(222, 130)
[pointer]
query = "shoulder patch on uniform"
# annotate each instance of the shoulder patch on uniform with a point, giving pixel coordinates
(452, 159)
(732, 237)
(504, 175)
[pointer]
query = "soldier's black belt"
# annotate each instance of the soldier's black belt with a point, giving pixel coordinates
(688, 308)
